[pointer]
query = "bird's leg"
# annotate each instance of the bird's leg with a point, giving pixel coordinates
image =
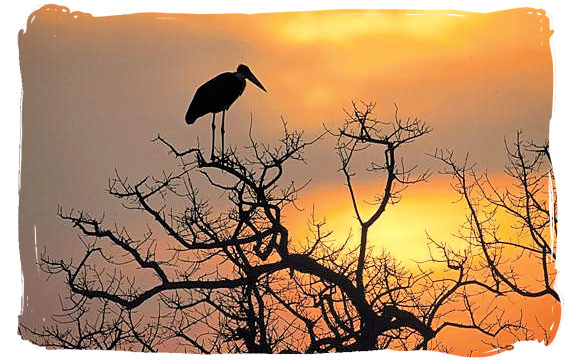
(213, 139)
(223, 136)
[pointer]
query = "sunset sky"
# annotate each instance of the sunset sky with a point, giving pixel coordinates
(98, 89)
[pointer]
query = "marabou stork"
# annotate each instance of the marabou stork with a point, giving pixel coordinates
(217, 95)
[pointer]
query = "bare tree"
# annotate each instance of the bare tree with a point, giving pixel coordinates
(527, 202)
(495, 262)
(227, 277)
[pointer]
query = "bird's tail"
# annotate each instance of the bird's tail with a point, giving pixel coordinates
(190, 118)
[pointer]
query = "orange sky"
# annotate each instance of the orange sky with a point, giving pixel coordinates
(96, 90)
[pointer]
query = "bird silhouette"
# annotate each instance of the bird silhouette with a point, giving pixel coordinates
(217, 95)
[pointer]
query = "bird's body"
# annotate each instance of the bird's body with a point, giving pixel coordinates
(217, 95)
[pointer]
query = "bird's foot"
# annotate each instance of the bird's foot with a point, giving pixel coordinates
(221, 158)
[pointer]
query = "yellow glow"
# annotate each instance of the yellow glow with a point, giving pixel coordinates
(426, 209)
(401, 231)
(339, 27)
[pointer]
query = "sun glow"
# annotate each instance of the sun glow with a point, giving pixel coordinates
(426, 210)
(346, 27)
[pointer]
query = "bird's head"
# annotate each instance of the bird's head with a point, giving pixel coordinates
(244, 72)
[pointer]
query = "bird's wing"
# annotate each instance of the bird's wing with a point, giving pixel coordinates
(215, 95)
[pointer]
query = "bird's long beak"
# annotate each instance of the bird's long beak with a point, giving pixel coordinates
(255, 81)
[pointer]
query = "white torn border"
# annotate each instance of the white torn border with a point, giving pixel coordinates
(19, 12)
(35, 248)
